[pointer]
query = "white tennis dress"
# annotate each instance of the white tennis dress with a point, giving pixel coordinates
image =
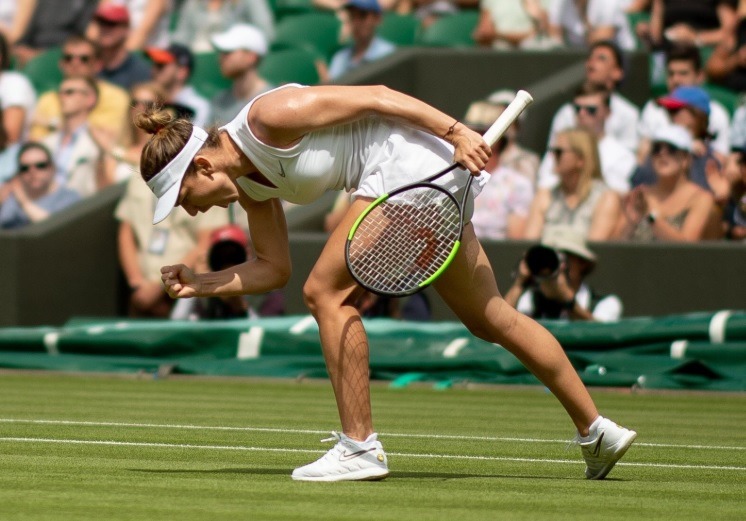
(371, 156)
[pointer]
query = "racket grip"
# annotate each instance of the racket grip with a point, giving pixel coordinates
(522, 100)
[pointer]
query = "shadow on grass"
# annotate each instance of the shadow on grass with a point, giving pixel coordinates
(392, 476)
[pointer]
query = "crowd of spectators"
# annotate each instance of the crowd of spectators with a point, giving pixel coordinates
(673, 169)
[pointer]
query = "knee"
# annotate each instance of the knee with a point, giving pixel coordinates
(312, 295)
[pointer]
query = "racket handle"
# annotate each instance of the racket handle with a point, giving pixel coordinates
(522, 100)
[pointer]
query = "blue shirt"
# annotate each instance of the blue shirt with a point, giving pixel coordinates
(13, 216)
(9, 162)
(342, 61)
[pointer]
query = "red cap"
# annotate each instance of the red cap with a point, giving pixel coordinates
(160, 55)
(114, 13)
(230, 232)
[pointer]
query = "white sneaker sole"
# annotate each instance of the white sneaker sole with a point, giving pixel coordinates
(359, 475)
(621, 447)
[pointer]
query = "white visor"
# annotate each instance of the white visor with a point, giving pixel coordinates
(167, 183)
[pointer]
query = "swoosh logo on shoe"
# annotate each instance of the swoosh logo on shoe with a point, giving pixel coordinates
(345, 456)
(597, 449)
(282, 170)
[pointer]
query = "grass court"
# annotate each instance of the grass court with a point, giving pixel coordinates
(106, 447)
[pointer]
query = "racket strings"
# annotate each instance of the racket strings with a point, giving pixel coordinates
(405, 240)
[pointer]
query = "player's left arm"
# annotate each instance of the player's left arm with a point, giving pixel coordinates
(283, 117)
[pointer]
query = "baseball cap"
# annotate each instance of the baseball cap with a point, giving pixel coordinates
(229, 232)
(675, 135)
(481, 114)
(364, 5)
(241, 37)
(688, 96)
(174, 53)
(113, 13)
(227, 247)
(567, 239)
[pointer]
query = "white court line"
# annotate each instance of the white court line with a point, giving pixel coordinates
(306, 451)
(308, 431)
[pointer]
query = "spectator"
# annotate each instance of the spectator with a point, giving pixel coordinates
(683, 68)
(120, 66)
(592, 109)
(17, 97)
(550, 281)
(689, 107)
(172, 68)
(605, 66)
(200, 20)
(229, 246)
(700, 23)
(514, 24)
(581, 199)
(501, 210)
(674, 208)
(365, 17)
(727, 63)
(241, 48)
(580, 23)
(15, 16)
(34, 194)
(120, 159)
(150, 21)
(8, 155)
(75, 153)
(52, 22)
(144, 248)
(735, 210)
(81, 57)
(513, 155)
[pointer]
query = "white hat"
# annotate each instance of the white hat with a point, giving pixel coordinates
(567, 239)
(675, 135)
(240, 37)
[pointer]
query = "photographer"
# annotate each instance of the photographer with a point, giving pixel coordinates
(549, 282)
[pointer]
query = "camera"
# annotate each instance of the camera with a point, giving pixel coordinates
(543, 262)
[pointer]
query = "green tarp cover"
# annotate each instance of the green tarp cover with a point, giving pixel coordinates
(700, 351)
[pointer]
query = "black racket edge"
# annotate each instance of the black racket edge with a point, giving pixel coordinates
(426, 183)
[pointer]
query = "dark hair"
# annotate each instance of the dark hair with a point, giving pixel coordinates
(4, 53)
(592, 89)
(685, 52)
(613, 47)
(78, 39)
(29, 145)
(170, 134)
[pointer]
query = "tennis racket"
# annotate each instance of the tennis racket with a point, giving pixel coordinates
(405, 239)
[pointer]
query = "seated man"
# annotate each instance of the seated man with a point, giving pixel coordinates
(365, 17)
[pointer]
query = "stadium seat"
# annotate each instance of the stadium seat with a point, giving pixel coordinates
(43, 70)
(285, 8)
(399, 29)
(290, 66)
(206, 77)
(320, 29)
(451, 30)
(633, 19)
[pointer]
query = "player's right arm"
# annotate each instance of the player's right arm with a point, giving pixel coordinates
(269, 269)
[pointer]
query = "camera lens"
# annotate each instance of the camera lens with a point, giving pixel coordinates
(542, 261)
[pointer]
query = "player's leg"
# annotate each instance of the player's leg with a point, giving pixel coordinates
(330, 293)
(468, 286)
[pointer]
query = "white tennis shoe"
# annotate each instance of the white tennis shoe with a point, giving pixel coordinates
(610, 442)
(348, 460)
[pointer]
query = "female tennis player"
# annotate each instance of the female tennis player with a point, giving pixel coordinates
(295, 143)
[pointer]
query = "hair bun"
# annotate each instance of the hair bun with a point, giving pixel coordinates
(153, 120)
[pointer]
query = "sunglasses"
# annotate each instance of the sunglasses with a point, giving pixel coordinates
(70, 91)
(557, 151)
(660, 146)
(26, 167)
(108, 23)
(82, 58)
(590, 109)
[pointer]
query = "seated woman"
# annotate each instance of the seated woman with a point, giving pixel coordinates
(674, 208)
(34, 194)
(581, 200)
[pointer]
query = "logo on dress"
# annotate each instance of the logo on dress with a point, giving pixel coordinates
(282, 170)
